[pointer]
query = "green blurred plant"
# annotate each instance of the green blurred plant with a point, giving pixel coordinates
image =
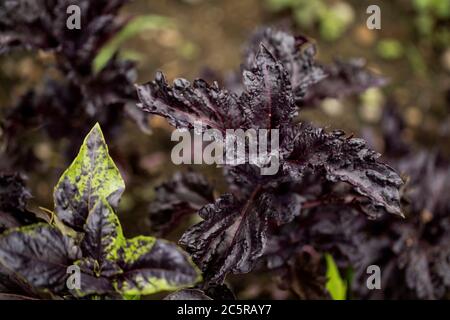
(431, 18)
(336, 286)
(135, 26)
(332, 19)
(390, 49)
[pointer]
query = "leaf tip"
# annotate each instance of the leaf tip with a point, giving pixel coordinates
(97, 127)
(95, 133)
(264, 52)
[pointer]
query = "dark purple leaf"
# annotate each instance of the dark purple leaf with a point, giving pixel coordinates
(40, 254)
(296, 54)
(183, 195)
(265, 103)
(343, 159)
(184, 104)
(266, 100)
(344, 78)
(42, 25)
(230, 239)
(13, 199)
(304, 276)
(188, 294)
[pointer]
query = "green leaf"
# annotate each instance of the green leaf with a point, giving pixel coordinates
(91, 176)
(138, 24)
(40, 254)
(336, 286)
(152, 265)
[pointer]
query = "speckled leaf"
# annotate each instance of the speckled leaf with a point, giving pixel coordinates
(152, 265)
(93, 279)
(40, 254)
(103, 238)
(91, 176)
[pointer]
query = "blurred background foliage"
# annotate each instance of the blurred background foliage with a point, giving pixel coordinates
(189, 38)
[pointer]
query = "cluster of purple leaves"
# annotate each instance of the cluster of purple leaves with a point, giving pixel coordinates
(316, 203)
(311, 81)
(13, 213)
(71, 103)
(256, 223)
(414, 254)
(13, 200)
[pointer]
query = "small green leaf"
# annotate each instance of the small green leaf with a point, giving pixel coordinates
(131, 297)
(336, 286)
(138, 24)
(152, 265)
(91, 176)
